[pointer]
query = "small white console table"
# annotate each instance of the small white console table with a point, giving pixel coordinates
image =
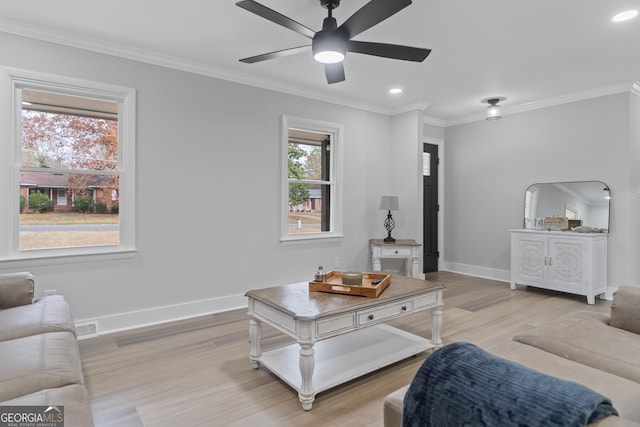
(407, 249)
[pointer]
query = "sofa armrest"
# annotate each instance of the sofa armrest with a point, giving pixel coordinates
(15, 289)
(392, 408)
(625, 309)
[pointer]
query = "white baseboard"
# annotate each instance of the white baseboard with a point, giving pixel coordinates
(478, 271)
(157, 315)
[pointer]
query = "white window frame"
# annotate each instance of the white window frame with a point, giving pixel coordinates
(570, 207)
(12, 81)
(335, 131)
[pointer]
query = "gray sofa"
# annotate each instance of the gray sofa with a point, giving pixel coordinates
(39, 352)
(598, 351)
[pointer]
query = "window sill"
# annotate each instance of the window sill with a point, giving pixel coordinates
(306, 238)
(40, 259)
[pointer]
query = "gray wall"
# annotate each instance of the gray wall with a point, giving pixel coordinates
(202, 142)
(634, 188)
(208, 182)
(490, 164)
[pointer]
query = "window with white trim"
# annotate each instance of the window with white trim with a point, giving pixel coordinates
(311, 192)
(72, 148)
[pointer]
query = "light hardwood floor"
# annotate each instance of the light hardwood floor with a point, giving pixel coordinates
(197, 373)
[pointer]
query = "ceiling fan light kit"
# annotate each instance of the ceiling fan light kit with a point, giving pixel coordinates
(331, 44)
(328, 46)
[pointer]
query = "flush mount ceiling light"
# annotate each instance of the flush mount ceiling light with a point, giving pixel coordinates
(493, 110)
(395, 90)
(625, 16)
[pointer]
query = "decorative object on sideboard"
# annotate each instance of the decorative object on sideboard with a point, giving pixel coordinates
(389, 203)
(556, 222)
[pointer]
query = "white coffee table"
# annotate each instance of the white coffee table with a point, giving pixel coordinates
(339, 337)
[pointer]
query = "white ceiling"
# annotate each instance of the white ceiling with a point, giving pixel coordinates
(526, 51)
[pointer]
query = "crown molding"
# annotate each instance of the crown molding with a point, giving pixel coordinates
(418, 105)
(633, 87)
(435, 121)
(181, 64)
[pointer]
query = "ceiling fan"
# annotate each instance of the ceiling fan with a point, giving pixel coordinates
(330, 45)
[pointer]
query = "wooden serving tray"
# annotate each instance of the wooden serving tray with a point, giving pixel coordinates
(333, 284)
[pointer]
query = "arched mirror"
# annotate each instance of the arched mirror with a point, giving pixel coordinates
(567, 206)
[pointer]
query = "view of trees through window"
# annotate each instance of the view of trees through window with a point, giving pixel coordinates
(69, 183)
(309, 181)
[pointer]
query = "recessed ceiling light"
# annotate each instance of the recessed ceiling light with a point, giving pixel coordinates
(395, 90)
(624, 16)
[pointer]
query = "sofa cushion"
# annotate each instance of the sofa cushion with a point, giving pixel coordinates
(587, 338)
(624, 393)
(38, 362)
(74, 398)
(49, 314)
(625, 309)
(15, 289)
(462, 384)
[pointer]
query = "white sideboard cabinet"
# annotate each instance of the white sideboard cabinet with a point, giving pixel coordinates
(563, 261)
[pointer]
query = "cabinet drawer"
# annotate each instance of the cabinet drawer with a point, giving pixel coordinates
(385, 312)
(395, 252)
(425, 301)
(335, 325)
(275, 317)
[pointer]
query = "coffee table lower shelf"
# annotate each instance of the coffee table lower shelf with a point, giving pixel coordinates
(345, 357)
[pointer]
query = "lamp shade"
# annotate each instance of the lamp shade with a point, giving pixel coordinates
(389, 203)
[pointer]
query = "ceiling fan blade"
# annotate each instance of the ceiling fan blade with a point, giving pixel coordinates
(273, 16)
(371, 14)
(334, 72)
(276, 54)
(385, 50)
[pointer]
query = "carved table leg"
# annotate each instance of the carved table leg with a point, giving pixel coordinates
(436, 326)
(307, 363)
(377, 263)
(255, 334)
(415, 268)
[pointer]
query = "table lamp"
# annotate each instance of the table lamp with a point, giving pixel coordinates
(389, 203)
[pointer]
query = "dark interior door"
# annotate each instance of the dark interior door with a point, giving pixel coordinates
(430, 208)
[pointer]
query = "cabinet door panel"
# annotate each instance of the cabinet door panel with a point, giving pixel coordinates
(531, 265)
(565, 263)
